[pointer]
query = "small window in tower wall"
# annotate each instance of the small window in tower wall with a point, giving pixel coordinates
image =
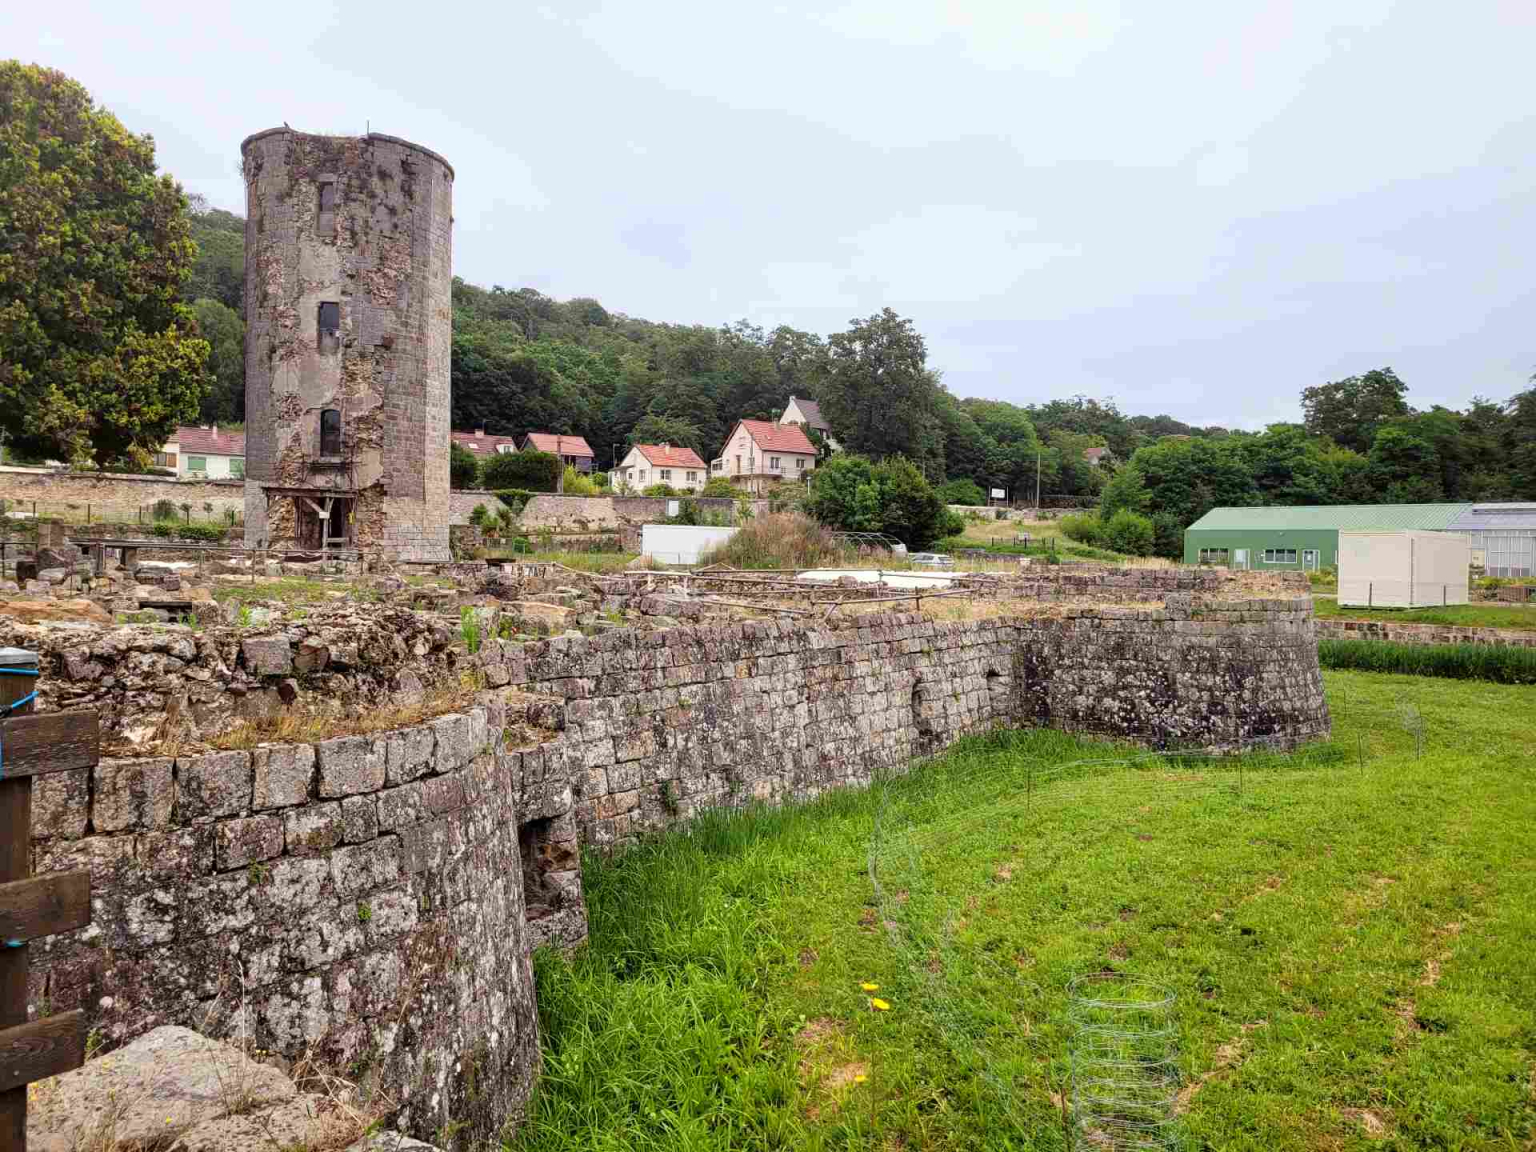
(328, 196)
(330, 432)
(330, 317)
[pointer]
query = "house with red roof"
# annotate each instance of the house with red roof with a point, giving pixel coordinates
(759, 454)
(484, 446)
(204, 453)
(572, 450)
(649, 464)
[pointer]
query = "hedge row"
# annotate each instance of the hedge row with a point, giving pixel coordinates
(1494, 663)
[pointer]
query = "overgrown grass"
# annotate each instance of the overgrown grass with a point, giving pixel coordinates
(782, 540)
(293, 590)
(1463, 615)
(581, 561)
(1349, 942)
(1493, 663)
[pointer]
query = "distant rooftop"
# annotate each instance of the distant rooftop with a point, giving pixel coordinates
(1344, 517)
(209, 441)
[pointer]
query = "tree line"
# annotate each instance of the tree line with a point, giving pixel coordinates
(121, 315)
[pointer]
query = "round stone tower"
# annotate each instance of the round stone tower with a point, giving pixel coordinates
(348, 311)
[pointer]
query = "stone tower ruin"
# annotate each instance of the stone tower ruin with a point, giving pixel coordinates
(348, 313)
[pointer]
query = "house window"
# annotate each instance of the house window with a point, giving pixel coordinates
(642, 475)
(197, 463)
(1213, 555)
(330, 432)
(692, 476)
(503, 449)
(1279, 555)
(799, 463)
(165, 459)
(666, 474)
(237, 467)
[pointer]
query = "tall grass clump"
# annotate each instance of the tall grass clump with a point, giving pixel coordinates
(1500, 665)
(781, 540)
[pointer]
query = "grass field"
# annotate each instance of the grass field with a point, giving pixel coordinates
(1466, 615)
(1349, 939)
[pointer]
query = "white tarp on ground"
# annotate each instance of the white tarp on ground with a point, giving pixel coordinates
(680, 543)
(937, 580)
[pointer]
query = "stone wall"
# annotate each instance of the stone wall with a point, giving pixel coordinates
(116, 496)
(556, 513)
(375, 897)
(664, 724)
(1335, 628)
(357, 899)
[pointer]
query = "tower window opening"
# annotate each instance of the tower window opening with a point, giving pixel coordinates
(330, 432)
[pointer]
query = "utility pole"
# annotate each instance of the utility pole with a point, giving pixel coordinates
(1037, 480)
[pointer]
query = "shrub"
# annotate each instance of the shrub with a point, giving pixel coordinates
(479, 516)
(515, 498)
(851, 493)
(530, 471)
(164, 510)
(689, 512)
(1452, 661)
(659, 490)
(575, 483)
(720, 486)
(205, 533)
(1084, 527)
(1127, 532)
(962, 492)
(463, 468)
(781, 540)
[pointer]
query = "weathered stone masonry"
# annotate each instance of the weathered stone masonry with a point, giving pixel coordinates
(465, 854)
(348, 311)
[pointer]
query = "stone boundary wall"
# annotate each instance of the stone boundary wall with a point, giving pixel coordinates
(661, 725)
(116, 496)
(375, 898)
(1334, 628)
(556, 513)
(357, 898)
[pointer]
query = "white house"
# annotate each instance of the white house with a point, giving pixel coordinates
(807, 413)
(204, 453)
(649, 464)
(759, 454)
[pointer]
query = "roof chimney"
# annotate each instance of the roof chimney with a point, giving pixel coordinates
(479, 432)
(214, 428)
(663, 445)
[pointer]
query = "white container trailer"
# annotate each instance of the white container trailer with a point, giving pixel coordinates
(1403, 569)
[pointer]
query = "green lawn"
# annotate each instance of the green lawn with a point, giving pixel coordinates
(1349, 937)
(1478, 615)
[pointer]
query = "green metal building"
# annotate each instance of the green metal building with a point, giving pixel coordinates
(1306, 537)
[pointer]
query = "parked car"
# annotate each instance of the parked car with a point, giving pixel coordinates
(931, 560)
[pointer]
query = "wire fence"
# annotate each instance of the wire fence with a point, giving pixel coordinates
(1112, 1046)
(229, 512)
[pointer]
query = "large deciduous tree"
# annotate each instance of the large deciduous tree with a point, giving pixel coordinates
(1350, 411)
(99, 357)
(877, 391)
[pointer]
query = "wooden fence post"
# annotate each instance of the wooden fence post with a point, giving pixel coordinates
(30, 907)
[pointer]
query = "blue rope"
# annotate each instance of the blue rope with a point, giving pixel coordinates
(9, 708)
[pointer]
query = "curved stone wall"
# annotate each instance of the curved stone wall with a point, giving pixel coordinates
(374, 899)
(357, 899)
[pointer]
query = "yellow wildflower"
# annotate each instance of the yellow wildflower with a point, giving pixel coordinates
(860, 1078)
(878, 1004)
(870, 987)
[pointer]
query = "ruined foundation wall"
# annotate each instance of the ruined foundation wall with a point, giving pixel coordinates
(358, 899)
(365, 224)
(380, 894)
(665, 724)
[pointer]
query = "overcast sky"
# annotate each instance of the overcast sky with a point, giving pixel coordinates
(1193, 208)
